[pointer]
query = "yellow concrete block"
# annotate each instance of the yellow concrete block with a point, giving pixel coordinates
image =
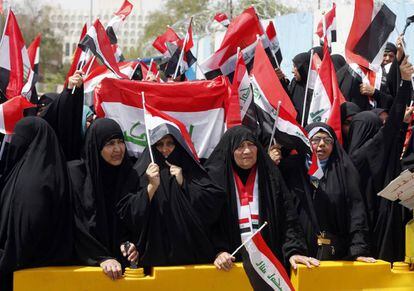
(183, 278)
(352, 276)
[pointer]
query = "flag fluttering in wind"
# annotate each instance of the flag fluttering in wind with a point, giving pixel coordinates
(116, 21)
(275, 53)
(222, 19)
(169, 36)
(327, 26)
(372, 24)
(34, 53)
(96, 40)
(11, 112)
(242, 32)
(15, 67)
(327, 97)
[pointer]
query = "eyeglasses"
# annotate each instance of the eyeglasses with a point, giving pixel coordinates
(317, 139)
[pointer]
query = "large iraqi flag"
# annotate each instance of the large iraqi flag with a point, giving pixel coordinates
(199, 105)
(372, 25)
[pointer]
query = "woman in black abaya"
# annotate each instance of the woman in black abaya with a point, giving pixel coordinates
(99, 180)
(283, 235)
(184, 204)
(332, 205)
(375, 151)
(36, 216)
(297, 87)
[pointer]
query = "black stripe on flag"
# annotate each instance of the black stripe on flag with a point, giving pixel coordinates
(376, 34)
(111, 34)
(255, 280)
(272, 56)
(333, 35)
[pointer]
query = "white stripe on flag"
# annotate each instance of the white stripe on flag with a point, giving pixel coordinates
(320, 107)
(204, 127)
(5, 53)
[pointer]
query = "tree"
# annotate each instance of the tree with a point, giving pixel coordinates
(34, 19)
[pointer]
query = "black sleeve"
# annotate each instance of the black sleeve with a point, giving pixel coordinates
(294, 239)
(65, 117)
(384, 100)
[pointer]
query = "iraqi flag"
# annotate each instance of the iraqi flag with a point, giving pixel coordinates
(242, 32)
(268, 91)
(159, 124)
(273, 46)
(101, 72)
(241, 107)
(79, 57)
(96, 40)
(264, 270)
(198, 104)
(15, 67)
(115, 23)
(222, 19)
(327, 26)
(169, 36)
(181, 56)
(372, 24)
(327, 97)
(11, 112)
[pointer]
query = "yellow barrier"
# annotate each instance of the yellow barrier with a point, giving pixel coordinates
(409, 242)
(329, 276)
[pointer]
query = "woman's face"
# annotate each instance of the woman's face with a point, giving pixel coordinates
(166, 145)
(113, 152)
(245, 155)
(296, 73)
(322, 145)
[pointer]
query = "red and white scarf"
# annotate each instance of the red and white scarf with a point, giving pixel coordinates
(264, 262)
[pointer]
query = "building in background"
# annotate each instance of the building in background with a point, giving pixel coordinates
(68, 23)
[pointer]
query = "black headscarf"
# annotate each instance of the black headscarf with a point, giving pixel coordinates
(35, 216)
(97, 188)
(318, 50)
(297, 88)
(390, 47)
(64, 114)
(348, 109)
(283, 234)
(376, 152)
(177, 229)
(336, 202)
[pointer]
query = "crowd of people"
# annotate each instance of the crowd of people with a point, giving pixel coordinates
(71, 195)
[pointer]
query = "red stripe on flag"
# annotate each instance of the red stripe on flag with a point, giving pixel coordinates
(180, 97)
(265, 250)
(154, 112)
(269, 83)
(13, 112)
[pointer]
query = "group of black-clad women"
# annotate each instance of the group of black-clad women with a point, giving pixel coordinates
(67, 199)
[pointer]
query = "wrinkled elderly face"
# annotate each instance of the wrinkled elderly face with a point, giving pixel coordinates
(322, 145)
(166, 145)
(245, 155)
(113, 151)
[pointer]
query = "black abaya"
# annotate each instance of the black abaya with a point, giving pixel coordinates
(335, 206)
(283, 235)
(376, 152)
(97, 188)
(36, 216)
(177, 229)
